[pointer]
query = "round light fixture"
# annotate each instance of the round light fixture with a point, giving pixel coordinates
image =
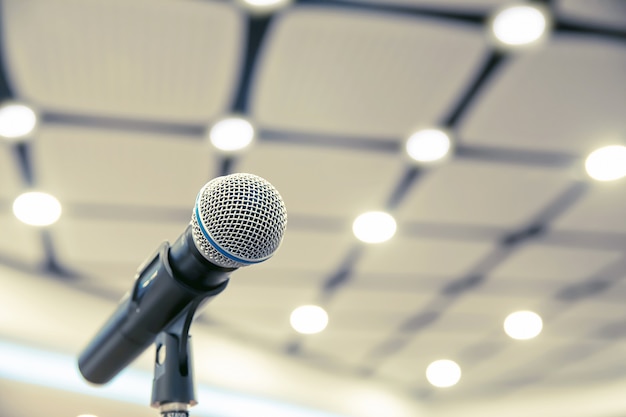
(443, 373)
(523, 325)
(309, 319)
(16, 120)
(428, 145)
(37, 208)
(519, 25)
(374, 227)
(231, 134)
(264, 6)
(607, 163)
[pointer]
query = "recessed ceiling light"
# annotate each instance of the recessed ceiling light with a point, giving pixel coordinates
(607, 163)
(443, 373)
(523, 325)
(428, 145)
(36, 208)
(519, 25)
(309, 319)
(231, 134)
(264, 6)
(87, 415)
(16, 120)
(374, 227)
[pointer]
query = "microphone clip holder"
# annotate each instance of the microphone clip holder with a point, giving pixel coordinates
(173, 390)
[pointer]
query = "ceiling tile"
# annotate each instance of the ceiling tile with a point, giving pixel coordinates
(422, 257)
(377, 301)
(112, 167)
(146, 60)
(324, 182)
(346, 349)
(19, 242)
(537, 261)
(361, 74)
(490, 194)
(116, 242)
(567, 97)
(10, 180)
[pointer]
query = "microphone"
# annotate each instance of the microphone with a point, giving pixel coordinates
(238, 220)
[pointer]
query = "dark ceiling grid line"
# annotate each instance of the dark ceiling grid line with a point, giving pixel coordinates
(382, 145)
(574, 28)
(256, 32)
(472, 18)
(492, 63)
(599, 282)
(161, 129)
(522, 157)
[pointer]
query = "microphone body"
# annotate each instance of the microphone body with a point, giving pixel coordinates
(165, 286)
(238, 220)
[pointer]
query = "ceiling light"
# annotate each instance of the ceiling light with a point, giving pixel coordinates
(309, 319)
(523, 325)
(16, 120)
(428, 145)
(264, 6)
(37, 208)
(86, 415)
(607, 164)
(443, 373)
(374, 227)
(519, 25)
(231, 134)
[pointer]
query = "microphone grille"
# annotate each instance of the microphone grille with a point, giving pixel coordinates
(238, 220)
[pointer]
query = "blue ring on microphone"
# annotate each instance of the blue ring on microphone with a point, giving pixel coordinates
(217, 247)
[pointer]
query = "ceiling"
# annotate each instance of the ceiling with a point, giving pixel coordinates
(126, 90)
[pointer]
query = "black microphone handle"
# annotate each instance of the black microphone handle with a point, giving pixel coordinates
(165, 286)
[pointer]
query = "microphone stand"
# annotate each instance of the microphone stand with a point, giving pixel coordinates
(173, 389)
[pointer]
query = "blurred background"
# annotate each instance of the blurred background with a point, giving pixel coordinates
(444, 164)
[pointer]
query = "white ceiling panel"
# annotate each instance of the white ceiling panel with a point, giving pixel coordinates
(358, 300)
(10, 180)
(464, 192)
(493, 309)
(133, 59)
(569, 97)
(548, 262)
(600, 210)
(347, 349)
(399, 282)
(355, 73)
(125, 242)
(110, 167)
(422, 257)
(19, 241)
(329, 183)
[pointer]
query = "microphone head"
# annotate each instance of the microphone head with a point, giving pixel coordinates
(238, 220)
